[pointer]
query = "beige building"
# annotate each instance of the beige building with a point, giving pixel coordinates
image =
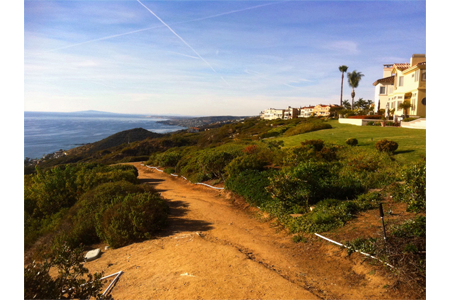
(272, 114)
(291, 113)
(279, 113)
(321, 110)
(406, 83)
(306, 111)
(384, 87)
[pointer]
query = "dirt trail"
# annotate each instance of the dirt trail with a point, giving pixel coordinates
(214, 250)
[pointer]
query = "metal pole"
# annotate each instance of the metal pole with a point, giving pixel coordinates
(382, 221)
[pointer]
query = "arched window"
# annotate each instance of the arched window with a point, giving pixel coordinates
(424, 101)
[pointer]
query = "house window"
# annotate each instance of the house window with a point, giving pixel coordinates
(382, 90)
(400, 81)
(424, 75)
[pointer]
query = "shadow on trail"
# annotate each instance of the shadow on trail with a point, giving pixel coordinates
(177, 223)
(153, 183)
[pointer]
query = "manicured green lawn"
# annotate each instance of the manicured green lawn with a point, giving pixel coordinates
(411, 142)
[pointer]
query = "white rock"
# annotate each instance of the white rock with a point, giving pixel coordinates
(93, 254)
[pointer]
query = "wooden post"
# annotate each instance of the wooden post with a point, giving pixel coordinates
(382, 221)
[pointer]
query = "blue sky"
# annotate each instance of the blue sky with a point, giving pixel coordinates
(209, 57)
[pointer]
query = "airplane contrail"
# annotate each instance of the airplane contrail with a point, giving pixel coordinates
(103, 38)
(181, 39)
(158, 26)
(233, 11)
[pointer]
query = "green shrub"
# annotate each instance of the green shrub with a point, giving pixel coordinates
(363, 245)
(413, 191)
(79, 225)
(308, 126)
(373, 169)
(254, 158)
(309, 150)
(415, 227)
(279, 130)
(165, 159)
(409, 119)
(386, 146)
(169, 170)
(134, 217)
(245, 162)
(292, 156)
(270, 134)
(363, 162)
(198, 165)
(317, 145)
(351, 142)
(327, 215)
(327, 153)
(311, 182)
(299, 238)
(134, 159)
(251, 184)
(49, 194)
(70, 283)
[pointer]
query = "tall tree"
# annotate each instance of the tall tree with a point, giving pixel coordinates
(353, 80)
(343, 69)
(346, 104)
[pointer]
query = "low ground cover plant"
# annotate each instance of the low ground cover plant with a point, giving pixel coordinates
(329, 214)
(412, 190)
(405, 249)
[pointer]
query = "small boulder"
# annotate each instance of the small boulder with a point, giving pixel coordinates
(93, 254)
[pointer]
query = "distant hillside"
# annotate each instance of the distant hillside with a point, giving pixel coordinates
(201, 121)
(123, 137)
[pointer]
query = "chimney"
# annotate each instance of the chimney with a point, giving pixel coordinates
(417, 58)
(387, 70)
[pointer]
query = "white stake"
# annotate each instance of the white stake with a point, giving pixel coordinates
(355, 250)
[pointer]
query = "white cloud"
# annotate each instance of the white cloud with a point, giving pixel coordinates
(348, 47)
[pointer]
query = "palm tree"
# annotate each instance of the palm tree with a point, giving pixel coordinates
(405, 106)
(346, 104)
(353, 80)
(343, 69)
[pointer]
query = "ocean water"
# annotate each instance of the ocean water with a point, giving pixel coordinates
(49, 132)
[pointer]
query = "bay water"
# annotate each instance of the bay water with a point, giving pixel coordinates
(48, 132)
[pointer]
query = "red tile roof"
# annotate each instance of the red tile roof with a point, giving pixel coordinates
(402, 66)
(386, 80)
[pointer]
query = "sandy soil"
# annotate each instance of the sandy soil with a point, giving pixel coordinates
(215, 248)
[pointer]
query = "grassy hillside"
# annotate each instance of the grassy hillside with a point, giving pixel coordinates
(284, 167)
(411, 142)
(139, 144)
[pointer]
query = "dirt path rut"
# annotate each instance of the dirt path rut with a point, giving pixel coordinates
(214, 250)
